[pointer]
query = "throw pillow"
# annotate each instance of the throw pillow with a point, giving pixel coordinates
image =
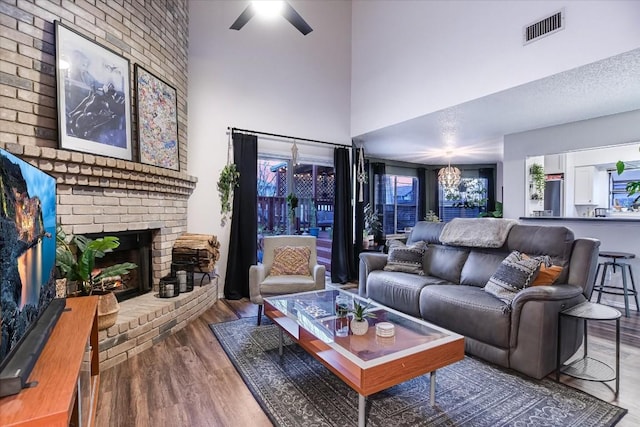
(290, 260)
(515, 273)
(547, 275)
(406, 259)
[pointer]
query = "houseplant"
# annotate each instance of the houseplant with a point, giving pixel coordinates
(372, 225)
(537, 176)
(227, 182)
(633, 187)
(359, 323)
(292, 204)
(75, 259)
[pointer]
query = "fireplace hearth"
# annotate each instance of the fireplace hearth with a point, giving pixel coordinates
(135, 247)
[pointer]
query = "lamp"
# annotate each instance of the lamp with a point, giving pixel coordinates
(449, 177)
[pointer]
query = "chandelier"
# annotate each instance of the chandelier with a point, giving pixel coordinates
(449, 177)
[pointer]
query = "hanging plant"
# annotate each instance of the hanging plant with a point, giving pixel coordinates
(227, 182)
(537, 175)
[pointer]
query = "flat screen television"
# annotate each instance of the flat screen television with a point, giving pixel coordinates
(27, 268)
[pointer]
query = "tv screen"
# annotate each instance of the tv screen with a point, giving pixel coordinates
(27, 252)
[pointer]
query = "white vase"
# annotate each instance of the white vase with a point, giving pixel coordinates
(359, 327)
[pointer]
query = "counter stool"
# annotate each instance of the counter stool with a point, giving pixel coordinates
(615, 290)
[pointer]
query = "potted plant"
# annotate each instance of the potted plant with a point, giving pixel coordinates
(292, 203)
(372, 225)
(633, 187)
(75, 259)
(537, 176)
(313, 220)
(359, 323)
(227, 182)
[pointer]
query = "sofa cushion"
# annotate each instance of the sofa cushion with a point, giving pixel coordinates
(400, 291)
(515, 273)
(467, 310)
(480, 267)
(406, 259)
(445, 262)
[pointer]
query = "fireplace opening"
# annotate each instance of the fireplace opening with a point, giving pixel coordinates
(135, 247)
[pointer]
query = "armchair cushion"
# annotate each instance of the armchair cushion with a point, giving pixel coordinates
(290, 260)
(280, 285)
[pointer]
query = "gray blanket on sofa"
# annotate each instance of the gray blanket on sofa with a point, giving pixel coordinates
(477, 232)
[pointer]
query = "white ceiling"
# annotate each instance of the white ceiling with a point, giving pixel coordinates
(473, 132)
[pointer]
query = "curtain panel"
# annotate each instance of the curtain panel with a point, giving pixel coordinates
(342, 250)
(243, 245)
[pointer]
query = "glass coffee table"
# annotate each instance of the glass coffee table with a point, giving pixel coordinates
(367, 363)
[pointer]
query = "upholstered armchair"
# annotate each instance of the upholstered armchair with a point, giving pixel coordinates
(289, 265)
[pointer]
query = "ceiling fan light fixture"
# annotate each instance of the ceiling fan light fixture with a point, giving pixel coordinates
(268, 8)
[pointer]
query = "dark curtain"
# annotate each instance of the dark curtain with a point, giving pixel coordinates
(379, 170)
(422, 193)
(436, 193)
(342, 253)
(489, 174)
(243, 245)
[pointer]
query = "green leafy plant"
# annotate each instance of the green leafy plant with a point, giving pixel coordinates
(292, 201)
(361, 312)
(537, 175)
(495, 214)
(76, 259)
(633, 187)
(432, 217)
(372, 224)
(227, 182)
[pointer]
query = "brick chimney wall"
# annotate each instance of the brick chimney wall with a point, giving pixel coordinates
(97, 194)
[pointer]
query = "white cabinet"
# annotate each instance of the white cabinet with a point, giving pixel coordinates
(585, 189)
(554, 163)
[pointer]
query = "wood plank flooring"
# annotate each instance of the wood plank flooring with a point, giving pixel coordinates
(187, 380)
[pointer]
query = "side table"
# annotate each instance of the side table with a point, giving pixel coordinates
(588, 368)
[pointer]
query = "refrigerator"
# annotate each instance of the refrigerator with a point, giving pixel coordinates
(554, 194)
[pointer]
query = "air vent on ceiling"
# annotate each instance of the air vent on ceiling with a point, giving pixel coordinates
(544, 27)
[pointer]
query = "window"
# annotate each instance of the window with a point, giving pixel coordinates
(465, 201)
(618, 196)
(397, 201)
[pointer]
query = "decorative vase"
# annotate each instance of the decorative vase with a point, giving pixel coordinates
(108, 308)
(359, 327)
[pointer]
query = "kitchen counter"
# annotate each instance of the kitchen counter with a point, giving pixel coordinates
(613, 218)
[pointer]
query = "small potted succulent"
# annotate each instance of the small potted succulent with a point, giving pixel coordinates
(359, 323)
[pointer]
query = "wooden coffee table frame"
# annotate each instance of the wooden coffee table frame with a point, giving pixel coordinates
(375, 377)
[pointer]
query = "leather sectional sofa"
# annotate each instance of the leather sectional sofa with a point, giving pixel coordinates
(521, 335)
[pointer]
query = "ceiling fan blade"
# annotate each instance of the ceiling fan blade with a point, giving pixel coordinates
(296, 20)
(244, 17)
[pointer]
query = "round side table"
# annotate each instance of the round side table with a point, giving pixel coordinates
(588, 368)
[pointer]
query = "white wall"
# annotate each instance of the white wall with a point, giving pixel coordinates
(266, 77)
(603, 131)
(412, 58)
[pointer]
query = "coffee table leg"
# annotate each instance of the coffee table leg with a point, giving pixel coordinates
(280, 336)
(432, 386)
(361, 405)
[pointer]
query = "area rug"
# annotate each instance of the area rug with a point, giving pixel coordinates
(296, 390)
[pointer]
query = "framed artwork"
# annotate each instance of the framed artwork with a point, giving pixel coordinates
(94, 96)
(157, 108)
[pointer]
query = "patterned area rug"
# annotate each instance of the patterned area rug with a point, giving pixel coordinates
(296, 390)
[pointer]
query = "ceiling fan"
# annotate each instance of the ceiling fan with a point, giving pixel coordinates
(283, 8)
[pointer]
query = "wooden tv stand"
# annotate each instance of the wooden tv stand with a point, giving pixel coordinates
(67, 374)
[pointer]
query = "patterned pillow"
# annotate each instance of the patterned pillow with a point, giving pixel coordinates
(515, 273)
(407, 259)
(291, 260)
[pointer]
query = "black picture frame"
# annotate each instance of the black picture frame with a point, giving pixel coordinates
(94, 96)
(157, 120)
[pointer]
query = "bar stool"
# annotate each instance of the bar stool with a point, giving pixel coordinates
(615, 290)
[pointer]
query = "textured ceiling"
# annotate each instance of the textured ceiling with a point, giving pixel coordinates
(473, 132)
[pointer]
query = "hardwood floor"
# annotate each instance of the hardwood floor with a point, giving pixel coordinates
(187, 380)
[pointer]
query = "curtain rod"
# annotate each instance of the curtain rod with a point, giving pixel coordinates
(287, 137)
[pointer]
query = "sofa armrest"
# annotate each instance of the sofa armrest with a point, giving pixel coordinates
(369, 261)
(549, 293)
(257, 274)
(319, 272)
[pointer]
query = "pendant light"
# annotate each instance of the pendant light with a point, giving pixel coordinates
(449, 177)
